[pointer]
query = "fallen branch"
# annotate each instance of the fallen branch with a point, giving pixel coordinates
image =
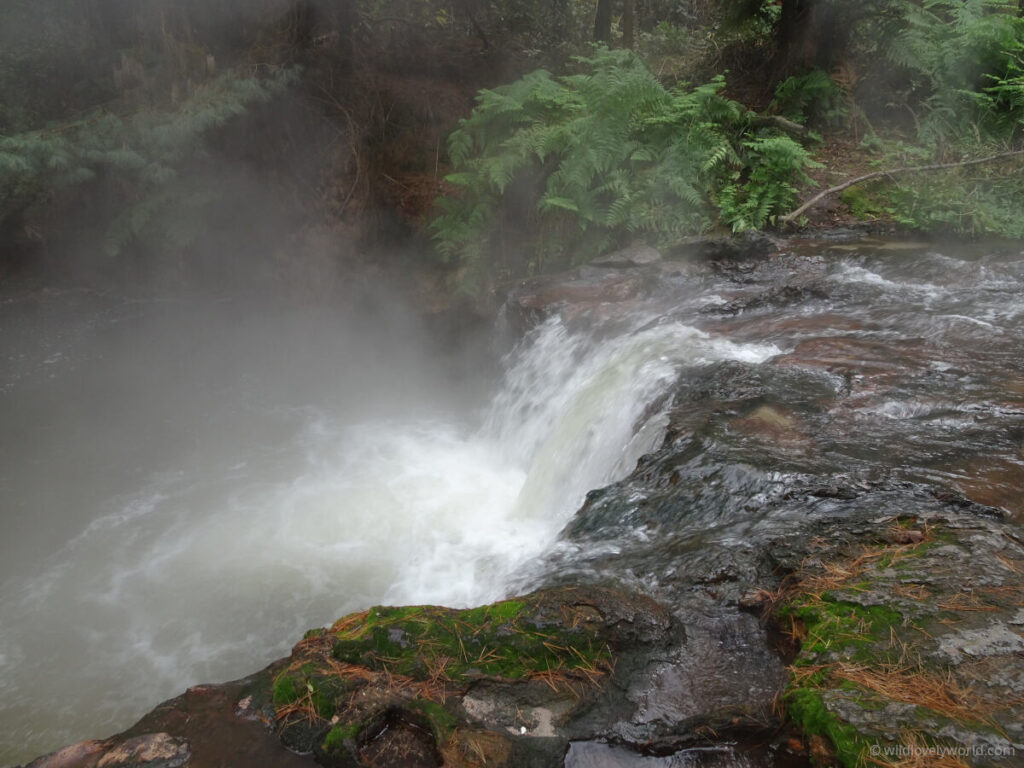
(790, 217)
(776, 121)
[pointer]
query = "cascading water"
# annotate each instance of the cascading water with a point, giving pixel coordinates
(184, 490)
(196, 570)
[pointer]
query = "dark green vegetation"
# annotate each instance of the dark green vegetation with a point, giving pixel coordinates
(610, 153)
(309, 135)
(276, 142)
(561, 168)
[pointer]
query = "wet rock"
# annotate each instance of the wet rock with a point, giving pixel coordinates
(227, 724)
(85, 754)
(717, 674)
(866, 360)
(774, 426)
(776, 297)
(404, 686)
(996, 639)
(156, 750)
(637, 255)
(995, 482)
(597, 286)
(746, 246)
(593, 754)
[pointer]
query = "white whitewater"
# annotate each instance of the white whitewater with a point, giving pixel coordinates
(210, 569)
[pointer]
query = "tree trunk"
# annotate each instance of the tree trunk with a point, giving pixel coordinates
(812, 33)
(560, 18)
(796, 36)
(603, 22)
(629, 21)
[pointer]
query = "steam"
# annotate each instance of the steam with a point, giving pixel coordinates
(185, 486)
(215, 479)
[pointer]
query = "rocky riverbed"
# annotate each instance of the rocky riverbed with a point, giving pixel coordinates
(821, 563)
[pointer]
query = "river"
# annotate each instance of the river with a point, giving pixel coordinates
(187, 484)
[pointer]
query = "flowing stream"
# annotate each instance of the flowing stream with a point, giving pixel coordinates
(186, 486)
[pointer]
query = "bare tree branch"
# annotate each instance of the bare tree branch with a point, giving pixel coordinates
(777, 121)
(789, 218)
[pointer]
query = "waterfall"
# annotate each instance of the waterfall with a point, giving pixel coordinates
(221, 562)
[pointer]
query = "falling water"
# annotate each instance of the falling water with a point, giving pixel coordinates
(197, 569)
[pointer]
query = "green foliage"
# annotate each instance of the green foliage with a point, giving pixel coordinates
(775, 163)
(965, 59)
(810, 98)
(863, 203)
(972, 203)
(606, 155)
(143, 151)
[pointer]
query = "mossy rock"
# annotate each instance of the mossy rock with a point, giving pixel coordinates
(508, 640)
(387, 684)
(880, 661)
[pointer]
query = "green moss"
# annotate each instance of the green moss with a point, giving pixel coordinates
(833, 626)
(863, 203)
(506, 610)
(506, 639)
(334, 741)
(322, 690)
(286, 690)
(442, 722)
(807, 709)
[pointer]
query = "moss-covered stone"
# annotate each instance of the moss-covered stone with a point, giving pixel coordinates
(808, 711)
(870, 672)
(442, 722)
(286, 690)
(510, 639)
(402, 674)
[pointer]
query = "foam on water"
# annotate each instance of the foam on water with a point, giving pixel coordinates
(851, 273)
(211, 569)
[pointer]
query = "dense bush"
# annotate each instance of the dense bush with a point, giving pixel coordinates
(566, 167)
(964, 61)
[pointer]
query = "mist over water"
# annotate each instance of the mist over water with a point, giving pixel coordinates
(193, 483)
